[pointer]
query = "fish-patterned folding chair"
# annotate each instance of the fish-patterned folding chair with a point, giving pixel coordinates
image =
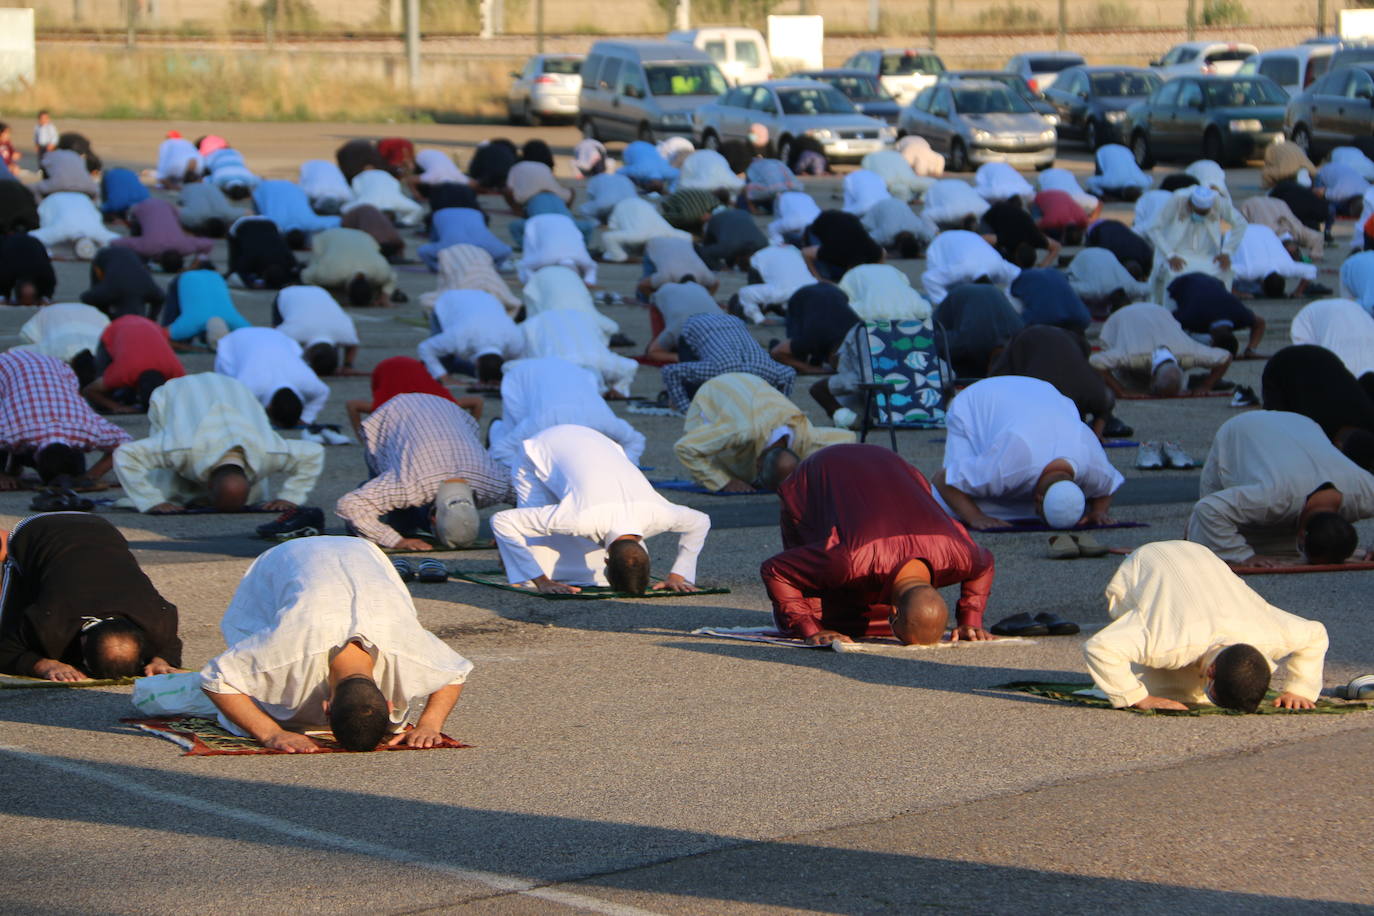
(904, 387)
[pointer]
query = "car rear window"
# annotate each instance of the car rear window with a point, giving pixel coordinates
(907, 64)
(747, 53)
(685, 79)
(860, 88)
(1282, 70)
(1110, 85)
(1242, 93)
(1226, 55)
(821, 100)
(569, 66)
(990, 100)
(1053, 64)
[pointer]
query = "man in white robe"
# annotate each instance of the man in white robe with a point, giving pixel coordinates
(998, 181)
(793, 213)
(881, 292)
(1342, 327)
(902, 180)
(863, 189)
(325, 186)
(63, 329)
(383, 191)
(783, 270)
(1145, 340)
(951, 203)
(322, 634)
(1063, 180)
(1188, 238)
(708, 170)
(604, 191)
(559, 287)
(70, 217)
(177, 160)
(1118, 175)
(470, 326)
(632, 223)
(1096, 276)
(272, 366)
(1262, 254)
(575, 336)
(552, 238)
(959, 256)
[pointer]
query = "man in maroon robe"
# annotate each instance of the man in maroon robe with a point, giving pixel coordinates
(866, 547)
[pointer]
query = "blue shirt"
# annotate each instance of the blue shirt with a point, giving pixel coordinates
(1341, 182)
(1202, 300)
(1047, 298)
(284, 203)
(465, 226)
(120, 189)
(1357, 277)
(643, 162)
(201, 295)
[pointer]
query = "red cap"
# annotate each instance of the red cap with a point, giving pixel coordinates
(173, 135)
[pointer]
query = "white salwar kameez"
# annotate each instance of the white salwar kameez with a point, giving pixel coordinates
(325, 186)
(793, 212)
(863, 189)
(958, 256)
(559, 287)
(881, 292)
(1260, 253)
(950, 201)
(1341, 326)
(997, 181)
(1063, 180)
(63, 329)
(631, 224)
(1175, 234)
(708, 170)
(383, 191)
(537, 394)
(552, 238)
(901, 178)
(471, 324)
(1116, 171)
(1095, 273)
(575, 336)
(69, 216)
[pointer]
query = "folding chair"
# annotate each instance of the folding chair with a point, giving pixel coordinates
(904, 385)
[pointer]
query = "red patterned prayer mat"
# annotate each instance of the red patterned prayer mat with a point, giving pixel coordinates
(202, 737)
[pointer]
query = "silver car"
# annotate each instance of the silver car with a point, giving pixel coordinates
(976, 121)
(790, 108)
(547, 88)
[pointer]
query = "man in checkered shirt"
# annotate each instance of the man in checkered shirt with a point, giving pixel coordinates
(416, 444)
(719, 344)
(46, 424)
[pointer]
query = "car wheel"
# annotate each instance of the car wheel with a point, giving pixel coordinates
(646, 133)
(1302, 138)
(709, 140)
(511, 114)
(532, 119)
(958, 157)
(1140, 148)
(1212, 147)
(1090, 135)
(785, 149)
(588, 129)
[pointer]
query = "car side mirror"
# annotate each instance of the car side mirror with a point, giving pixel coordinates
(1199, 105)
(1083, 95)
(1156, 63)
(939, 113)
(516, 74)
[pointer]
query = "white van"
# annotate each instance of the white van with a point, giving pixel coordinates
(741, 54)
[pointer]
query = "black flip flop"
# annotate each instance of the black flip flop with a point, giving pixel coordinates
(60, 499)
(1056, 625)
(1019, 625)
(404, 568)
(432, 571)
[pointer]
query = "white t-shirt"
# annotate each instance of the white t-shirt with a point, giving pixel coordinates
(310, 315)
(264, 360)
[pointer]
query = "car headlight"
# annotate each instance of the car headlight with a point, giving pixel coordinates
(887, 134)
(980, 136)
(1052, 118)
(1116, 117)
(821, 133)
(1245, 126)
(1047, 134)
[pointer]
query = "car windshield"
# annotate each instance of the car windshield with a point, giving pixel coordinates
(988, 100)
(1111, 85)
(1053, 64)
(818, 101)
(566, 65)
(907, 64)
(860, 88)
(1243, 93)
(685, 79)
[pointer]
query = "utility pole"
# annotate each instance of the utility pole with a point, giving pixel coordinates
(1321, 18)
(932, 10)
(1063, 24)
(1192, 19)
(131, 23)
(873, 16)
(413, 43)
(684, 14)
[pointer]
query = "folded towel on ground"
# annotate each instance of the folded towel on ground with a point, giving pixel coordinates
(495, 578)
(202, 737)
(1085, 694)
(772, 636)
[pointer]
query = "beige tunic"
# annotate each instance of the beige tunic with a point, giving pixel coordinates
(1132, 334)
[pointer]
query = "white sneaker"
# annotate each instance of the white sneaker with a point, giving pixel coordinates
(334, 438)
(1149, 457)
(845, 418)
(1176, 457)
(308, 436)
(85, 249)
(216, 329)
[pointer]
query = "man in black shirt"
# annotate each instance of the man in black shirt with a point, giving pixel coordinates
(730, 237)
(818, 319)
(26, 274)
(1313, 381)
(122, 285)
(838, 241)
(76, 605)
(1203, 305)
(1012, 231)
(1134, 253)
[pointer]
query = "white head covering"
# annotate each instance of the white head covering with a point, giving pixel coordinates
(455, 514)
(863, 189)
(1202, 197)
(1304, 178)
(437, 168)
(1063, 505)
(758, 134)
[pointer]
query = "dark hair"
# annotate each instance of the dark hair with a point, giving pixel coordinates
(1359, 448)
(229, 487)
(687, 278)
(171, 262)
(489, 367)
(1176, 180)
(295, 239)
(1241, 678)
(359, 291)
(627, 566)
(58, 458)
(149, 380)
(537, 151)
(284, 409)
(1024, 256)
(1272, 286)
(236, 191)
(907, 245)
(105, 648)
(83, 364)
(769, 476)
(275, 276)
(322, 357)
(1328, 538)
(738, 154)
(42, 111)
(3, 127)
(214, 228)
(1073, 235)
(1135, 269)
(1119, 299)
(358, 713)
(1130, 195)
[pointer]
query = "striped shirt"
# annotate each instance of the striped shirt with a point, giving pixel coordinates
(41, 403)
(721, 344)
(469, 267)
(414, 443)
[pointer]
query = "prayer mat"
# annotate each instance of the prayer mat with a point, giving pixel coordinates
(16, 682)
(413, 320)
(1081, 694)
(1020, 525)
(202, 737)
(691, 486)
(1110, 443)
(479, 544)
(1304, 568)
(774, 637)
(650, 409)
(1141, 396)
(495, 578)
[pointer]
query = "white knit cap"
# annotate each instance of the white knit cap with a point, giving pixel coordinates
(455, 514)
(1202, 197)
(1063, 505)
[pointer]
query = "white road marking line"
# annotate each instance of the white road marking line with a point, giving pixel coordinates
(508, 883)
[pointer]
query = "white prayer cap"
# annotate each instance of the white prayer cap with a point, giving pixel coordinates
(1304, 178)
(758, 134)
(1063, 505)
(1202, 197)
(455, 514)
(1285, 237)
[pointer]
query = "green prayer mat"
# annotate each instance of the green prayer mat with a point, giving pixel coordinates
(1064, 693)
(15, 682)
(479, 544)
(412, 320)
(495, 578)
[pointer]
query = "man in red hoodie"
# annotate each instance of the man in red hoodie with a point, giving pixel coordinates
(866, 548)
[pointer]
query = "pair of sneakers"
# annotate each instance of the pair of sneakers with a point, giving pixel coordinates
(325, 434)
(300, 522)
(1155, 456)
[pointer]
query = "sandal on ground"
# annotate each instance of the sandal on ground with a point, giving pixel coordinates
(1019, 625)
(432, 571)
(1088, 546)
(404, 568)
(1056, 625)
(1063, 547)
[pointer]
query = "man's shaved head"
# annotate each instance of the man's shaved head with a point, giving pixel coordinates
(1167, 380)
(229, 488)
(920, 617)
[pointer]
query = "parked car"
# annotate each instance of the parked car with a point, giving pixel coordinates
(1332, 111)
(861, 88)
(1091, 102)
(1040, 68)
(547, 88)
(1347, 55)
(1208, 58)
(976, 121)
(1012, 81)
(1294, 69)
(1228, 118)
(644, 90)
(790, 108)
(903, 72)
(741, 54)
